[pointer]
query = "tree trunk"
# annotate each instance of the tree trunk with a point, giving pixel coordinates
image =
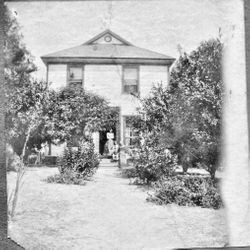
(25, 143)
(3, 181)
(20, 174)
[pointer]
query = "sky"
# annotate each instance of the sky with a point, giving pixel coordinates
(161, 26)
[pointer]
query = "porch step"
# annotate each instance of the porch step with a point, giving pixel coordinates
(108, 163)
(105, 160)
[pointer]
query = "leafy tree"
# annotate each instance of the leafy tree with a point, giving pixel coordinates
(76, 113)
(27, 110)
(186, 116)
(197, 82)
(19, 63)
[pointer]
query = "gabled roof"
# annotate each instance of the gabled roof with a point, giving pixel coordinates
(113, 50)
(104, 33)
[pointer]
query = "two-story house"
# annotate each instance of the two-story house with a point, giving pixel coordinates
(111, 67)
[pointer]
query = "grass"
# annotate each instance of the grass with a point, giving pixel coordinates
(106, 213)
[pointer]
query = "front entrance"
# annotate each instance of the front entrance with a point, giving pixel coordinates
(103, 140)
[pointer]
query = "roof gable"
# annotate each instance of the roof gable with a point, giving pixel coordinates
(108, 48)
(107, 37)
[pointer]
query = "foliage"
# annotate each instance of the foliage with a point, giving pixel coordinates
(18, 60)
(25, 97)
(129, 172)
(50, 160)
(27, 110)
(151, 161)
(68, 177)
(187, 190)
(76, 113)
(79, 163)
(21, 89)
(187, 114)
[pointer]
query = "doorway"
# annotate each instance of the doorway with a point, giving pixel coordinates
(103, 139)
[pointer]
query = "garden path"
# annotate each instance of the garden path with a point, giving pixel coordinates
(106, 213)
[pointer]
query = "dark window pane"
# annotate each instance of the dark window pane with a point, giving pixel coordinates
(75, 73)
(130, 79)
(130, 88)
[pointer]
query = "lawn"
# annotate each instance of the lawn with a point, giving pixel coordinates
(106, 213)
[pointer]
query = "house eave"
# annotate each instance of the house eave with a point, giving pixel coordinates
(84, 60)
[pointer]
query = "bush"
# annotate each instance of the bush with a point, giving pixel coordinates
(152, 163)
(76, 165)
(82, 160)
(129, 172)
(187, 190)
(50, 160)
(68, 177)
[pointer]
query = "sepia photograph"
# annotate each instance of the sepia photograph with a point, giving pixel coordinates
(124, 124)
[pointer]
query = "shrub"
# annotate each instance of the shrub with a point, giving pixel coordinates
(76, 165)
(187, 190)
(212, 198)
(152, 163)
(129, 172)
(68, 177)
(50, 160)
(82, 160)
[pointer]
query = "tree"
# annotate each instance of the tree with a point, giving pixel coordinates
(27, 110)
(197, 82)
(186, 116)
(75, 113)
(19, 63)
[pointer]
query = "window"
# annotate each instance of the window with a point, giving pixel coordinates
(108, 38)
(75, 76)
(130, 79)
(130, 133)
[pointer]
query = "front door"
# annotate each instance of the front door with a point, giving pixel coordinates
(103, 141)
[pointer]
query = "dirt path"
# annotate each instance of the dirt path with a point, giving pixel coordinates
(107, 213)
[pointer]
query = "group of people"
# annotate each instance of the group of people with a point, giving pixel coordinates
(111, 147)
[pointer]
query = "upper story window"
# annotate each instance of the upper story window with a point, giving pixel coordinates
(75, 76)
(130, 79)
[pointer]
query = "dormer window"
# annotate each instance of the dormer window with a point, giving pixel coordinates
(130, 79)
(75, 76)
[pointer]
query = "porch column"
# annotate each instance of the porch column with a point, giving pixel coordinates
(96, 140)
(235, 186)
